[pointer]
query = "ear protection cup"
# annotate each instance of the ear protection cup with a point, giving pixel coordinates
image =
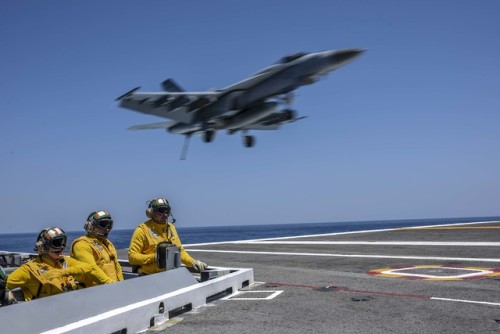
(88, 224)
(39, 238)
(149, 211)
(39, 247)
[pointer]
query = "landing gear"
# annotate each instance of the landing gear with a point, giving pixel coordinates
(185, 146)
(248, 141)
(289, 114)
(208, 136)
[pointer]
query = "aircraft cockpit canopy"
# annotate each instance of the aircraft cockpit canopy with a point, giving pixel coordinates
(292, 57)
(284, 60)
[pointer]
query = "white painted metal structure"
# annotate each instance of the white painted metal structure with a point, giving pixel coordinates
(130, 306)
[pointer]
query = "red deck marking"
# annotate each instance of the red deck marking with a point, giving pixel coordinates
(340, 289)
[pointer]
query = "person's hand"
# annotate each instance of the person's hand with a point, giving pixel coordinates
(199, 266)
(8, 299)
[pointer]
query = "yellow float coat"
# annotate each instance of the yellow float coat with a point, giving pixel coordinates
(146, 237)
(43, 276)
(91, 250)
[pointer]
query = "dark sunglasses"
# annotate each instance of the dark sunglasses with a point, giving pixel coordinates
(163, 210)
(105, 223)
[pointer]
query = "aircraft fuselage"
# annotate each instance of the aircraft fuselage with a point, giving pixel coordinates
(276, 80)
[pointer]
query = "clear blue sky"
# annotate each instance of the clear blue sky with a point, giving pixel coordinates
(408, 130)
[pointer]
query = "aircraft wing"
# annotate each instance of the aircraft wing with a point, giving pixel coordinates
(152, 126)
(178, 106)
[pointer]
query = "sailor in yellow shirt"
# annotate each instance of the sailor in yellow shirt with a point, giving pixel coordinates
(147, 236)
(50, 272)
(95, 248)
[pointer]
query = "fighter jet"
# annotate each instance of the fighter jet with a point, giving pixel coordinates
(257, 103)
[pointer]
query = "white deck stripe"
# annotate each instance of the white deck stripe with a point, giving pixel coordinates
(269, 296)
(465, 301)
(403, 243)
(337, 233)
(350, 255)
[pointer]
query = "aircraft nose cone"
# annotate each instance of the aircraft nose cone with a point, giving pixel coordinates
(340, 57)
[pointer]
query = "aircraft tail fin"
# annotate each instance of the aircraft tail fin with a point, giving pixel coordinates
(170, 85)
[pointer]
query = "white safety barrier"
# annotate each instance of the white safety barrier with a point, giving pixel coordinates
(129, 306)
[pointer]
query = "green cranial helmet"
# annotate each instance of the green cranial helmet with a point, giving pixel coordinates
(51, 238)
(101, 219)
(159, 202)
(157, 205)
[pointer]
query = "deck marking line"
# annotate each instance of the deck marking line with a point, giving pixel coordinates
(465, 301)
(340, 289)
(397, 243)
(297, 285)
(274, 294)
(399, 272)
(453, 228)
(437, 258)
(339, 233)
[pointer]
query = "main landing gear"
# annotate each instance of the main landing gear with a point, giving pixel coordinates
(208, 136)
(248, 141)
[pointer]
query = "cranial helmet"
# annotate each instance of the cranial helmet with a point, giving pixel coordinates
(99, 219)
(155, 205)
(50, 237)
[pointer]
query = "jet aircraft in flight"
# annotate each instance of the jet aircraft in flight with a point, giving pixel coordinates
(252, 104)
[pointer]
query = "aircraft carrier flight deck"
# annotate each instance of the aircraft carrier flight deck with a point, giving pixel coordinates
(440, 279)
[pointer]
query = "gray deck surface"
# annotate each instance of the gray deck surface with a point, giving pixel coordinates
(327, 289)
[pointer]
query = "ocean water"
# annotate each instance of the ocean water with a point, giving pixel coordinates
(24, 242)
